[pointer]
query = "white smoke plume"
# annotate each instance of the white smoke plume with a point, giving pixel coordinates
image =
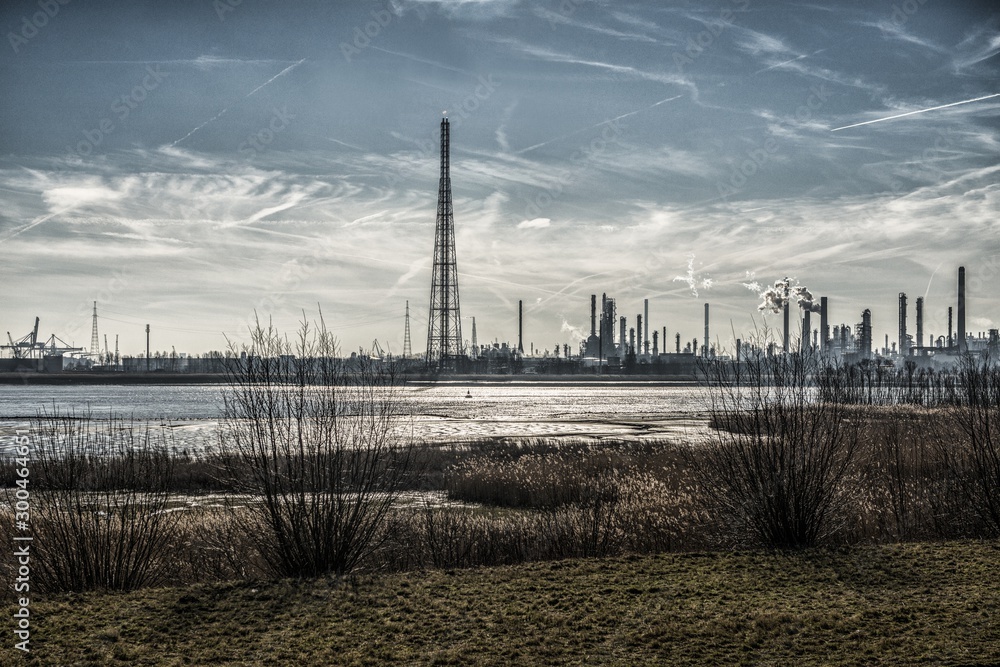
(774, 298)
(753, 285)
(694, 283)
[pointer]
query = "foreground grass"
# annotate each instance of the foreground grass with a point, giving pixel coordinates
(901, 604)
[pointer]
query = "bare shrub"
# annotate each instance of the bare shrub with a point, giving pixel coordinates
(313, 437)
(776, 473)
(969, 441)
(100, 513)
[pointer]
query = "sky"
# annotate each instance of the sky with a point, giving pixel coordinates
(192, 165)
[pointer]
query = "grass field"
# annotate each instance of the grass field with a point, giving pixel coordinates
(927, 603)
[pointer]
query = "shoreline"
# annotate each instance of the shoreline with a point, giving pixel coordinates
(161, 378)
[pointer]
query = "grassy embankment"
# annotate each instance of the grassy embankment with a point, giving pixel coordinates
(931, 603)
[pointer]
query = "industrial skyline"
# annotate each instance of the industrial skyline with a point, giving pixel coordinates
(165, 161)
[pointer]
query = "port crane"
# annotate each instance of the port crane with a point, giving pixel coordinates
(29, 347)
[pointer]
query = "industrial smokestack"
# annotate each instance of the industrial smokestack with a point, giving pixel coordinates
(623, 323)
(902, 325)
(950, 330)
(638, 329)
(645, 318)
(784, 345)
(806, 344)
(656, 335)
(920, 324)
(704, 348)
(961, 309)
(593, 314)
(520, 327)
(824, 325)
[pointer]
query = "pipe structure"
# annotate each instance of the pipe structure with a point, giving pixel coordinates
(704, 347)
(950, 336)
(520, 327)
(903, 346)
(920, 325)
(805, 344)
(961, 310)
(645, 318)
(622, 323)
(638, 329)
(824, 325)
(784, 344)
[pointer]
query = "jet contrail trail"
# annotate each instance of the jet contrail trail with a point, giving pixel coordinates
(610, 120)
(788, 62)
(910, 113)
(221, 113)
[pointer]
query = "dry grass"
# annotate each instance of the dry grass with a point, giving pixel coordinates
(887, 605)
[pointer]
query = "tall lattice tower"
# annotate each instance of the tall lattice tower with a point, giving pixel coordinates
(407, 348)
(444, 325)
(95, 340)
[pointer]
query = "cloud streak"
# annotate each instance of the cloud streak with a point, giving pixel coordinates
(918, 111)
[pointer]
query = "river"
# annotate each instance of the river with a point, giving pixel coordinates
(438, 413)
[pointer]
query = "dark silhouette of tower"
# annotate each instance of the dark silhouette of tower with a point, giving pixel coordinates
(444, 326)
(962, 343)
(95, 341)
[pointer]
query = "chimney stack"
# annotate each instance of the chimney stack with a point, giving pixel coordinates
(902, 348)
(806, 343)
(645, 318)
(920, 324)
(784, 344)
(704, 347)
(961, 309)
(824, 326)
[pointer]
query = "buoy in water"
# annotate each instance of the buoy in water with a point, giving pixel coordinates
(468, 393)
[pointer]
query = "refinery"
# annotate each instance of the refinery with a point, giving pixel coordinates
(617, 344)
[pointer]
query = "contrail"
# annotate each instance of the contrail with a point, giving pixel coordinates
(221, 113)
(910, 113)
(37, 221)
(788, 62)
(610, 120)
